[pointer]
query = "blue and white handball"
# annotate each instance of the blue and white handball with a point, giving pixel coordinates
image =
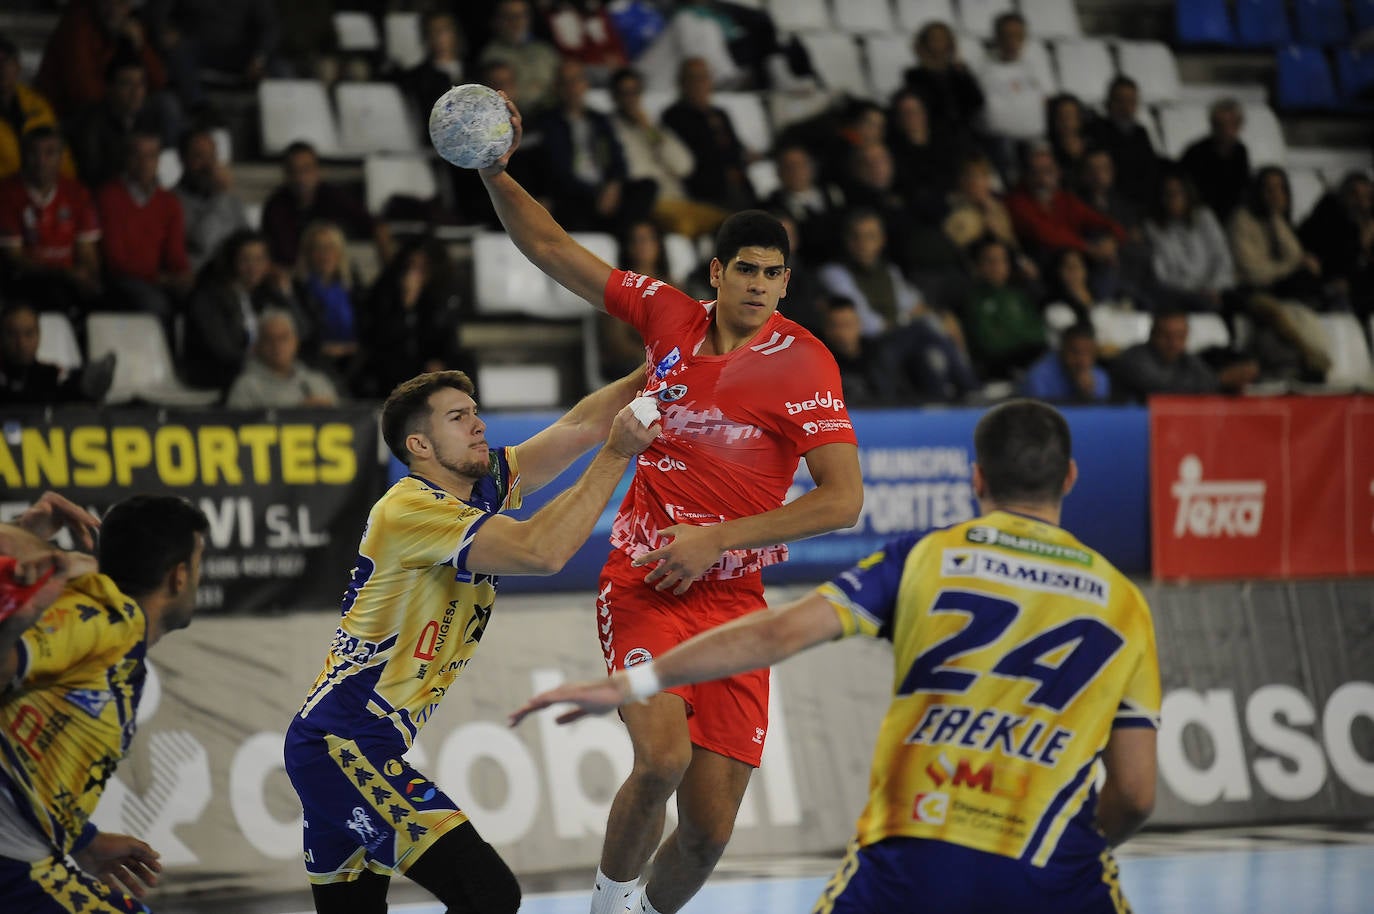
(470, 126)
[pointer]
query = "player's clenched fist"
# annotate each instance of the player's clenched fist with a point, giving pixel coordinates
(630, 434)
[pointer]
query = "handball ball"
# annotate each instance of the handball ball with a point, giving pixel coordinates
(470, 126)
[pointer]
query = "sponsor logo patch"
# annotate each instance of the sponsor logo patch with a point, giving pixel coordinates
(993, 566)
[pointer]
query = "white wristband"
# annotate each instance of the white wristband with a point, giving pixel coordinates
(643, 680)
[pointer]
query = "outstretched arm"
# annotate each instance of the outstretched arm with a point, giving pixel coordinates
(749, 643)
(577, 431)
(537, 235)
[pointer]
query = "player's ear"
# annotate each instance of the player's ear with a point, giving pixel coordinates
(717, 268)
(417, 444)
(979, 483)
(1071, 477)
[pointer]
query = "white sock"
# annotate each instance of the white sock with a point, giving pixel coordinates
(609, 896)
(645, 907)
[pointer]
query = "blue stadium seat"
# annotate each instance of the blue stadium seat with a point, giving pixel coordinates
(1356, 72)
(1364, 15)
(1203, 22)
(1261, 23)
(1322, 22)
(1304, 78)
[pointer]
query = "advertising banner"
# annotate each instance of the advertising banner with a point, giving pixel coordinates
(1264, 488)
(286, 492)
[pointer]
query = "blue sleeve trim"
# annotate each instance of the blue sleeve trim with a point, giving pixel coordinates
(84, 839)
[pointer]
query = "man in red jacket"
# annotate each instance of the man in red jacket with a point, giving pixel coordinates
(1049, 219)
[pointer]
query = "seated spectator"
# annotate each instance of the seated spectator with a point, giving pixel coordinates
(1066, 282)
(1340, 234)
(815, 206)
(870, 184)
(1163, 364)
(441, 69)
(308, 43)
(1002, 324)
(90, 34)
(222, 319)
(274, 378)
(25, 381)
(1219, 163)
(1192, 262)
(805, 298)
(303, 198)
(975, 212)
(1098, 187)
(534, 60)
(101, 128)
(236, 42)
(621, 348)
(49, 231)
(857, 124)
(410, 323)
(145, 235)
(719, 176)
(582, 164)
(1066, 128)
(1128, 143)
(213, 211)
(739, 44)
(1268, 254)
(324, 292)
(22, 108)
(861, 374)
(925, 167)
(655, 154)
(583, 31)
(1015, 90)
(1071, 373)
(953, 99)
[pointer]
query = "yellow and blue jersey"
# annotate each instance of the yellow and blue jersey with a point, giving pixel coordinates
(71, 715)
(413, 613)
(1016, 651)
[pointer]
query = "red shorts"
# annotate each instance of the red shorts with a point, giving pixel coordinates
(637, 623)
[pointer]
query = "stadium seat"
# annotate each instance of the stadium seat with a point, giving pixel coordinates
(657, 101)
(1203, 22)
(504, 282)
(527, 385)
(1052, 18)
(1085, 68)
(1118, 328)
(978, 16)
(1356, 72)
(296, 109)
(1058, 318)
(143, 367)
(800, 15)
(1307, 187)
(1263, 135)
(681, 255)
(1207, 331)
(972, 51)
(912, 15)
(1036, 54)
(1333, 163)
(374, 117)
(1181, 126)
(763, 177)
(1304, 78)
(888, 57)
(168, 168)
(835, 58)
(385, 176)
(749, 118)
(57, 341)
(405, 45)
(1261, 23)
(599, 99)
(356, 32)
(1322, 22)
(786, 108)
(563, 303)
(1151, 64)
(252, 210)
(871, 17)
(1351, 365)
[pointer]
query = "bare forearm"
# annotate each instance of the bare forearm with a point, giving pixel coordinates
(591, 418)
(560, 528)
(1117, 818)
(819, 511)
(538, 236)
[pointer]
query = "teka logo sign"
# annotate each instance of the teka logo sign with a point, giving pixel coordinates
(1214, 509)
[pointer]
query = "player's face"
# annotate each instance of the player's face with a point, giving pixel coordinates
(457, 435)
(749, 288)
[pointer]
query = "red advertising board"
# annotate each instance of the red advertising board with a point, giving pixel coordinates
(1262, 488)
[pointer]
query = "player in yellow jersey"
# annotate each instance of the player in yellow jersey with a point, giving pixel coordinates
(416, 606)
(1024, 666)
(73, 679)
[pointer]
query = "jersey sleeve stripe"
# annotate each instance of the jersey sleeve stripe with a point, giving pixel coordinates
(855, 619)
(1045, 836)
(458, 558)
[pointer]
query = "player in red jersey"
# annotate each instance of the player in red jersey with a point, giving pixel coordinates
(745, 394)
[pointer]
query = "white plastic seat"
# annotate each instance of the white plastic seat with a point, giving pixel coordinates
(1332, 163)
(681, 255)
(1351, 365)
(888, 58)
(563, 303)
(296, 109)
(384, 176)
(749, 118)
(1207, 331)
(528, 385)
(1085, 68)
(1058, 318)
(504, 281)
(599, 99)
(972, 51)
(143, 361)
(405, 47)
(1152, 65)
(1263, 136)
(912, 15)
(786, 108)
(1180, 126)
(1037, 56)
(800, 15)
(656, 101)
(373, 117)
(168, 168)
(57, 341)
(835, 58)
(1052, 18)
(763, 177)
(1118, 328)
(356, 32)
(862, 17)
(1307, 187)
(978, 16)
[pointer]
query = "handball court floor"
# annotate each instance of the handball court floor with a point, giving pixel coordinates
(1290, 869)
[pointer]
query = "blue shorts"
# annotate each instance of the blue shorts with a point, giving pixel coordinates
(910, 875)
(365, 807)
(53, 886)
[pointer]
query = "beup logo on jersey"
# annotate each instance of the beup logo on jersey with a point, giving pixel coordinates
(1211, 510)
(672, 394)
(930, 807)
(825, 400)
(666, 364)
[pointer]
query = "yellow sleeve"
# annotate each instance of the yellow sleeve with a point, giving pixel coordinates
(430, 528)
(1141, 700)
(71, 631)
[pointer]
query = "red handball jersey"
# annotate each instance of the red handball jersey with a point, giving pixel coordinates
(734, 425)
(47, 230)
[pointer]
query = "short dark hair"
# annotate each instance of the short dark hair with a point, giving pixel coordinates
(840, 303)
(624, 73)
(1007, 17)
(751, 228)
(1023, 448)
(11, 308)
(1082, 330)
(144, 537)
(123, 61)
(985, 241)
(299, 146)
(189, 134)
(1121, 82)
(407, 407)
(33, 136)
